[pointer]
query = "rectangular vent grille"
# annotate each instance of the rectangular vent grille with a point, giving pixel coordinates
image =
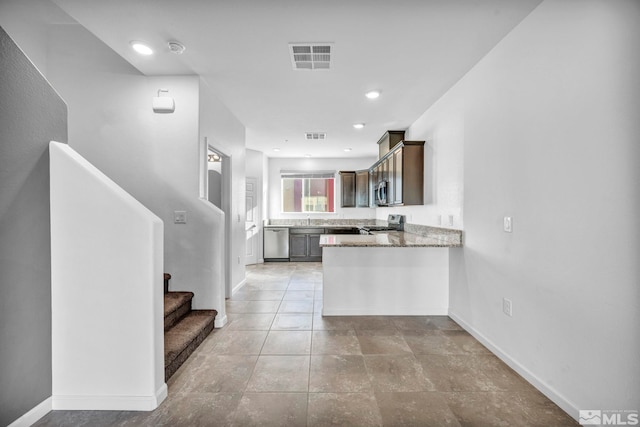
(315, 136)
(311, 56)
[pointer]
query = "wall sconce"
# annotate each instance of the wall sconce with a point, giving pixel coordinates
(163, 104)
(214, 158)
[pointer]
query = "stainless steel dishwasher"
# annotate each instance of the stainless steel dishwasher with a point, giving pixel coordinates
(276, 244)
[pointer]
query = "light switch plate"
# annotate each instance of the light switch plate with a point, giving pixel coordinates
(508, 224)
(179, 217)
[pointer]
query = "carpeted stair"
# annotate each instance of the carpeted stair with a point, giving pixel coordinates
(184, 328)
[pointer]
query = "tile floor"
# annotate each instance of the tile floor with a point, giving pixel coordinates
(278, 362)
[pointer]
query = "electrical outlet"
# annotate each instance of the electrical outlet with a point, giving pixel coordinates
(450, 221)
(507, 307)
(238, 260)
(179, 217)
(508, 224)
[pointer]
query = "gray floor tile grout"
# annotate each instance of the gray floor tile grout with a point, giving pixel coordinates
(433, 339)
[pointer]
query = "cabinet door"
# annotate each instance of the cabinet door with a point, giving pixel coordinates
(373, 182)
(390, 178)
(298, 246)
(362, 189)
(384, 170)
(315, 251)
(348, 186)
(397, 177)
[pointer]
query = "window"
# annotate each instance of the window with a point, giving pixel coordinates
(308, 191)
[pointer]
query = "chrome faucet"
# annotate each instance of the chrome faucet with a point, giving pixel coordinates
(308, 220)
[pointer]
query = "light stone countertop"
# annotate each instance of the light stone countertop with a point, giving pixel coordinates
(312, 226)
(397, 239)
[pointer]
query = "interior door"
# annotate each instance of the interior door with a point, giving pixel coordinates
(252, 218)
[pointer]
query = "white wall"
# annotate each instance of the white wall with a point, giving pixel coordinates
(310, 164)
(255, 169)
(225, 133)
(107, 309)
(152, 156)
(442, 129)
(550, 129)
(27, 24)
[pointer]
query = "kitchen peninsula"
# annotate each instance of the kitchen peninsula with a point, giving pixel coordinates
(388, 273)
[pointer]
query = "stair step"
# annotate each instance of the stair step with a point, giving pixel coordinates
(176, 306)
(184, 337)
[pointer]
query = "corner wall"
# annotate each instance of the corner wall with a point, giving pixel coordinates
(31, 114)
(551, 139)
(255, 169)
(154, 157)
(225, 132)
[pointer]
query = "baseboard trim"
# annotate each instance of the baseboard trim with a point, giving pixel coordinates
(221, 321)
(565, 404)
(239, 286)
(161, 394)
(110, 403)
(34, 414)
(386, 311)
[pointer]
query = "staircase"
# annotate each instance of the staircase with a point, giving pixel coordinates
(184, 328)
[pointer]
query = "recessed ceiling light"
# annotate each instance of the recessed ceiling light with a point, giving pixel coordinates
(276, 149)
(307, 155)
(372, 95)
(347, 149)
(141, 48)
(358, 125)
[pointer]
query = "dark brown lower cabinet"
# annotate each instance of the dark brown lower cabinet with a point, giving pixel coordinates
(304, 244)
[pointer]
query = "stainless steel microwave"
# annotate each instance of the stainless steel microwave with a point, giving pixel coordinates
(382, 193)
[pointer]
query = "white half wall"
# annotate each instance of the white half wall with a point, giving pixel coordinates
(310, 164)
(383, 281)
(550, 120)
(106, 303)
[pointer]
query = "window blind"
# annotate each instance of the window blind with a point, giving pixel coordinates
(307, 174)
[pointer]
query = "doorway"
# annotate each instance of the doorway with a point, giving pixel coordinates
(251, 221)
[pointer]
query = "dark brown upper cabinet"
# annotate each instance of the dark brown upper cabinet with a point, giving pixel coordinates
(362, 189)
(388, 141)
(355, 189)
(348, 189)
(403, 171)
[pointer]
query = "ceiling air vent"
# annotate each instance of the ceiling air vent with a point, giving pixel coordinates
(315, 136)
(311, 56)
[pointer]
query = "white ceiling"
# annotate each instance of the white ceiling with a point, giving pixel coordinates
(410, 50)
